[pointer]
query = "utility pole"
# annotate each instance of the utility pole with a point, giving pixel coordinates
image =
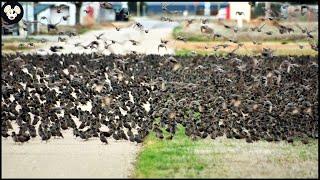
(138, 8)
(27, 15)
(35, 17)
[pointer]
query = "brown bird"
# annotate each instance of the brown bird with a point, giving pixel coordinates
(162, 45)
(189, 21)
(305, 141)
(116, 27)
(249, 140)
(169, 137)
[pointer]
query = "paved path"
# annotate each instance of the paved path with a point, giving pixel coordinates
(68, 158)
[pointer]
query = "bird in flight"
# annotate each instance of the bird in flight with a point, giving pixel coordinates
(98, 37)
(239, 13)
(106, 5)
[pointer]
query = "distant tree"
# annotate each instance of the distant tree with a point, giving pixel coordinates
(78, 5)
(132, 5)
(297, 2)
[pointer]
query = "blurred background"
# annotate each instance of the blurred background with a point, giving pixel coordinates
(170, 21)
(96, 15)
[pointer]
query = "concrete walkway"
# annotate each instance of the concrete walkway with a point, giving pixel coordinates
(68, 158)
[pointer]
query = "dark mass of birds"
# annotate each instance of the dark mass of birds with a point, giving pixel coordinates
(262, 97)
(252, 98)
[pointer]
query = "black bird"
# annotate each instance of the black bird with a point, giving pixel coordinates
(162, 46)
(132, 138)
(55, 48)
(115, 136)
(123, 135)
(289, 139)
(20, 138)
(138, 138)
(5, 134)
(259, 29)
(181, 38)
(76, 132)
(83, 135)
(305, 141)
(107, 133)
(15, 137)
(35, 120)
(159, 134)
(269, 33)
(32, 131)
(239, 13)
(65, 18)
(129, 133)
(164, 41)
(103, 139)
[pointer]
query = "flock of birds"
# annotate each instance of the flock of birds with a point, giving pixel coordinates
(273, 19)
(253, 98)
(262, 97)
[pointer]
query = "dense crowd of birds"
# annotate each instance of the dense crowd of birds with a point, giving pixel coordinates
(252, 98)
(261, 97)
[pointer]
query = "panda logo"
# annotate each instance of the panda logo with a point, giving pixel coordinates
(11, 12)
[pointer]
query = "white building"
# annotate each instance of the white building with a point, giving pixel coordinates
(34, 11)
(49, 10)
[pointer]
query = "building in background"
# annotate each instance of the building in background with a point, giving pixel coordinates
(107, 15)
(49, 10)
(192, 8)
(68, 8)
